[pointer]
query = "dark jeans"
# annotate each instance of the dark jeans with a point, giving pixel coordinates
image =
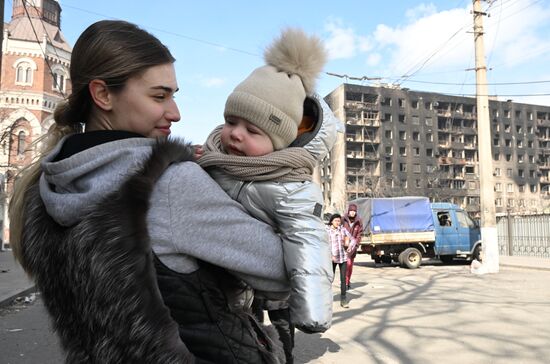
(342, 276)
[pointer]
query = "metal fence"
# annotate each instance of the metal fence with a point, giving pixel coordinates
(524, 235)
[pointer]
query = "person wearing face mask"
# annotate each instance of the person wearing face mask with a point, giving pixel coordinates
(353, 224)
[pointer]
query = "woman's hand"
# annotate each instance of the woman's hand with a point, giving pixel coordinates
(198, 151)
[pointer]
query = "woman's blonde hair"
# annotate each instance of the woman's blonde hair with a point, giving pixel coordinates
(109, 50)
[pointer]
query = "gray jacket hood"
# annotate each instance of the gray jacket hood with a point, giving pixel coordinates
(69, 187)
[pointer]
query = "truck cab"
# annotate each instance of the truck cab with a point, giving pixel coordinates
(456, 234)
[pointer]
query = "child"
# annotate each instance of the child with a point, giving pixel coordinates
(249, 156)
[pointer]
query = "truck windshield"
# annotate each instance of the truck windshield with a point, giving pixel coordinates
(465, 220)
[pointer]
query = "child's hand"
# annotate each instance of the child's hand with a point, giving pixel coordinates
(198, 151)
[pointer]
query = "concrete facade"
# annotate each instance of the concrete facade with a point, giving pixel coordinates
(34, 79)
(402, 142)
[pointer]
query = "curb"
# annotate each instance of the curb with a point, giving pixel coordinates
(509, 265)
(8, 301)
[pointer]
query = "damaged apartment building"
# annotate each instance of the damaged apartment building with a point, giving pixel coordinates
(400, 142)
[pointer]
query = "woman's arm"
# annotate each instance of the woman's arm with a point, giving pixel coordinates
(191, 216)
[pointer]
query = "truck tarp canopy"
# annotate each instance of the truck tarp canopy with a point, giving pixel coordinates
(395, 215)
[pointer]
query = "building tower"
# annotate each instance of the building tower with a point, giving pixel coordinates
(34, 79)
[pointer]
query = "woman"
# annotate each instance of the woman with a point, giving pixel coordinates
(115, 227)
(354, 226)
(339, 242)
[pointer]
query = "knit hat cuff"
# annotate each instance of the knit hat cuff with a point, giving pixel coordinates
(281, 128)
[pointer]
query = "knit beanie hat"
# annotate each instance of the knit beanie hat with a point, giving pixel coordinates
(352, 207)
(272, 96)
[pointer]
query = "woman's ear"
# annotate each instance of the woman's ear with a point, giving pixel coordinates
(100, 94)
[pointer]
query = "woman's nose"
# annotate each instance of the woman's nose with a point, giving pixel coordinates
(173, 113)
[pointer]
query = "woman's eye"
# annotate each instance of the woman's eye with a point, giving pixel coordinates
(159, 97)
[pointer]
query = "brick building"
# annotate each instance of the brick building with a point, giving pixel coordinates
(34, 79)
(403, 142)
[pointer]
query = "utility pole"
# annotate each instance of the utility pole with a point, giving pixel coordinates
(3, 180)
(489, 236)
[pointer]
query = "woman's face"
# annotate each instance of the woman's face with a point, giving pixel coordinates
(146, 103)
(336, 222)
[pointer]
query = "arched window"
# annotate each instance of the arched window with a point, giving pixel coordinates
(24, 68)
(59, 75)
(28, 75)
(21, 143)
(59, 81)
(24, 73)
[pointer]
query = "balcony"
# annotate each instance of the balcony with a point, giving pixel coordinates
(361, 155)
(544, 166)
(544, 180)
(445, 160)
(543, 122)
(359, 105)
(470, 115)
(374, 122)
(362, 139)
(444, 112)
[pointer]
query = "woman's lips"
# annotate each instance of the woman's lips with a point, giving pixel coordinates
(164, 129)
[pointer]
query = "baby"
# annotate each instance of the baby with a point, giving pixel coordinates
(264, 155)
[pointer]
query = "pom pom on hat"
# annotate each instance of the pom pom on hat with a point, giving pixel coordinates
(272, 96)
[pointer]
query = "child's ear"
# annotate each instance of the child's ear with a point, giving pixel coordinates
(100, 94)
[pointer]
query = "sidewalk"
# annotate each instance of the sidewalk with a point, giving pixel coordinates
(524, 262)
(13, 280)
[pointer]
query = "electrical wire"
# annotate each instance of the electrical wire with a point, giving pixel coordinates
(198, 40)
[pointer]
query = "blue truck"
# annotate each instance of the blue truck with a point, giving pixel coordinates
(406, 229)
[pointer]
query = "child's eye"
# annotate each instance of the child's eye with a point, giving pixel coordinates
(159, 97)
(253, 131)
(230, 121)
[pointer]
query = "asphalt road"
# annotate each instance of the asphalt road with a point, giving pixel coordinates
(433, 314)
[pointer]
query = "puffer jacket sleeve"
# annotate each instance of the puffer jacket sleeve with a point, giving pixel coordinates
(325, 139)
(306, 253)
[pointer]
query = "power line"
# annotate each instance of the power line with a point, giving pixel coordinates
(494, 95)
(24, 2)
(198, 40)
(473, 84)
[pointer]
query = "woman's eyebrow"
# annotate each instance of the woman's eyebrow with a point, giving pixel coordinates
(165, 88)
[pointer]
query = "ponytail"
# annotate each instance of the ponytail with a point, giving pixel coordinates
(29, 176)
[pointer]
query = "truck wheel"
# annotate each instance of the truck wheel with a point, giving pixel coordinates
(412, 258)
(477, 254)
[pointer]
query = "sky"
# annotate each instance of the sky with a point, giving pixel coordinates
(420, 45)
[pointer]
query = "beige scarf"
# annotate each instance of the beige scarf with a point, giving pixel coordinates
(286, 165)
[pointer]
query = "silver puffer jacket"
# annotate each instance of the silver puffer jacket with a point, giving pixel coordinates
(294, 209)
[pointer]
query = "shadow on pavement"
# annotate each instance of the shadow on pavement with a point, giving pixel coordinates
(317, 346)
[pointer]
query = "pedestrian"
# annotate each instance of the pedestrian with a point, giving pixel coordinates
(354, 226)
(339, 240)
(139, 255)
(275, 132)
